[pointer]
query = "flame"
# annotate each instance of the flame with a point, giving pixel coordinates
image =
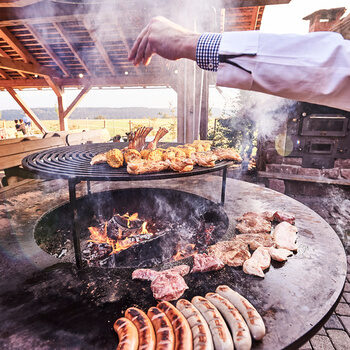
(184, 252)
(99, 236)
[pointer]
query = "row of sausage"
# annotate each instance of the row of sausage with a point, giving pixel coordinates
(202, 324)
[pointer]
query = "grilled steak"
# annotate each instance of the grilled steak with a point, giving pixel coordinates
(204, 263)
(254, 223)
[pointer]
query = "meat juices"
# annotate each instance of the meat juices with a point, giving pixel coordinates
(259, 261)
(285, 236)
(204, 263)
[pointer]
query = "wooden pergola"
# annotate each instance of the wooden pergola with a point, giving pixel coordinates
(74, 43)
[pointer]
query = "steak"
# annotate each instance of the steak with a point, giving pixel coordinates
(255, 222)
(204, 263)
(150, 275)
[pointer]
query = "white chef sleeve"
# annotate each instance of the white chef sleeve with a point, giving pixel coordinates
(314, 67)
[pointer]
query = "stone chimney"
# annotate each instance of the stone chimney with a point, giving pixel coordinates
(324, 20)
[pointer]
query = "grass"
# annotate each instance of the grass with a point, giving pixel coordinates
(114, 126)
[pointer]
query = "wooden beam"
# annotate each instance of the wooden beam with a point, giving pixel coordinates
(42, 41)
(4, 54)
(4, 74)
(96, 39)
(17, 3)
(63, 122)
(65, 36)
(76, 101)
(56, 89)
(31, 68)
(27, 110)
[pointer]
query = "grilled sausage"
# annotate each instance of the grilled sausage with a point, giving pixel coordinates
(239, 329)
(247, 310)
(163, 329)
(202, 339)
(147, 338)
(182, 330)
(127, 334)
(221, 335)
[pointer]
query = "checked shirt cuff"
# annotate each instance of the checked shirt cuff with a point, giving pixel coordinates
(207, 51)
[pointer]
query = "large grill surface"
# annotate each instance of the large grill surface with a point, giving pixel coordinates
(73, 162)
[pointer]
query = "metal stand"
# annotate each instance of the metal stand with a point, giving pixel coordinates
(223, 185)
(75, 223)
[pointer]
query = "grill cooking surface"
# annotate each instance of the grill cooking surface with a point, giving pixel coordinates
(74, 162)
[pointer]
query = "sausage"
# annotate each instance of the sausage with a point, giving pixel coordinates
(239, 329)
(147, 338)
(127, 334)
(163, 329)
(247, 310)
(221, 335)
(202, 339)
(182, 330)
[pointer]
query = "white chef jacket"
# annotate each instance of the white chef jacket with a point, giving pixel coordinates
(313, 68)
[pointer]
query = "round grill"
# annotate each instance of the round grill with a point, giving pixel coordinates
(73, 162)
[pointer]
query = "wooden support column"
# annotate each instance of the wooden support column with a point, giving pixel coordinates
(27, 110)
(62, 120)
(181, 105)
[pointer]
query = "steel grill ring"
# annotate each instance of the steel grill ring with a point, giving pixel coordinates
(73, 162)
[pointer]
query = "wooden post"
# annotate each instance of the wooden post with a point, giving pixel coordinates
(62, 120)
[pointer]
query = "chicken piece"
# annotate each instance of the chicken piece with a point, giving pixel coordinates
(144, 153)
(205, 159)
(181, 165)
(188, 150)
(115, 158)
(205, 144)
(131, 154)
(99, 158)
(227, 154)
(168, 155)
(281, 216)
(285, 236)
(179, 153)
(256, 240)
(160, 133)
(279, 254)
(253, 223)
(155, 155)
(259, 261)
(232, 253)
(142, 166)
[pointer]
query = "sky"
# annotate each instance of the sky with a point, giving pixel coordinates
(276, 19)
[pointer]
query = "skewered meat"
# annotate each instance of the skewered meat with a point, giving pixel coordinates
(147, 338)
(182, 330)
(98, 158)
(204, 263)
(221, 335)
(285, 236)
(256, 240)
(115, 158)
(282, 216)
(250, 314)
(227, 154)
(279, 254)
(253, 223)
(239, 329)
(181, 165)
(160, 133)
(150, 275)
(202, 338)
(142, 166)
(232, 253)
(163, 329)
(127, 334)
(259, 261)
(205, 159)
(131, 154)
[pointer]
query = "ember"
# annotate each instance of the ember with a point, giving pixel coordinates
(184, 252)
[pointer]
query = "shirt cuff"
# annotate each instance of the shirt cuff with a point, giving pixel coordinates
(207, 51)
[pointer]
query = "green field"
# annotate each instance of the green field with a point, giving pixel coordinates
(114, 126)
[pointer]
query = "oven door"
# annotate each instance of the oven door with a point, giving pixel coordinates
(324, 125)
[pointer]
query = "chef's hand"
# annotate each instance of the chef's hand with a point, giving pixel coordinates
(165, 38)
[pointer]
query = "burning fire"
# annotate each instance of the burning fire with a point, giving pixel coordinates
(99, 236)
(184, 252)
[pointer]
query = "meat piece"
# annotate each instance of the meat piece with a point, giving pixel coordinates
(204, 263)
(227, 154)
(254, 241)
(285, 236)
(279, 254)
(115, 158)
(98, 158)
(205, 159)
(155, 155)
(253, 223)
(168, 286)
(127, 334)
(232, 253)
(131, 155)
(259, 261)
(150, 275)
(142, 166)
(160, 133)
(181, 165)
(138, 138)
(281, 216)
